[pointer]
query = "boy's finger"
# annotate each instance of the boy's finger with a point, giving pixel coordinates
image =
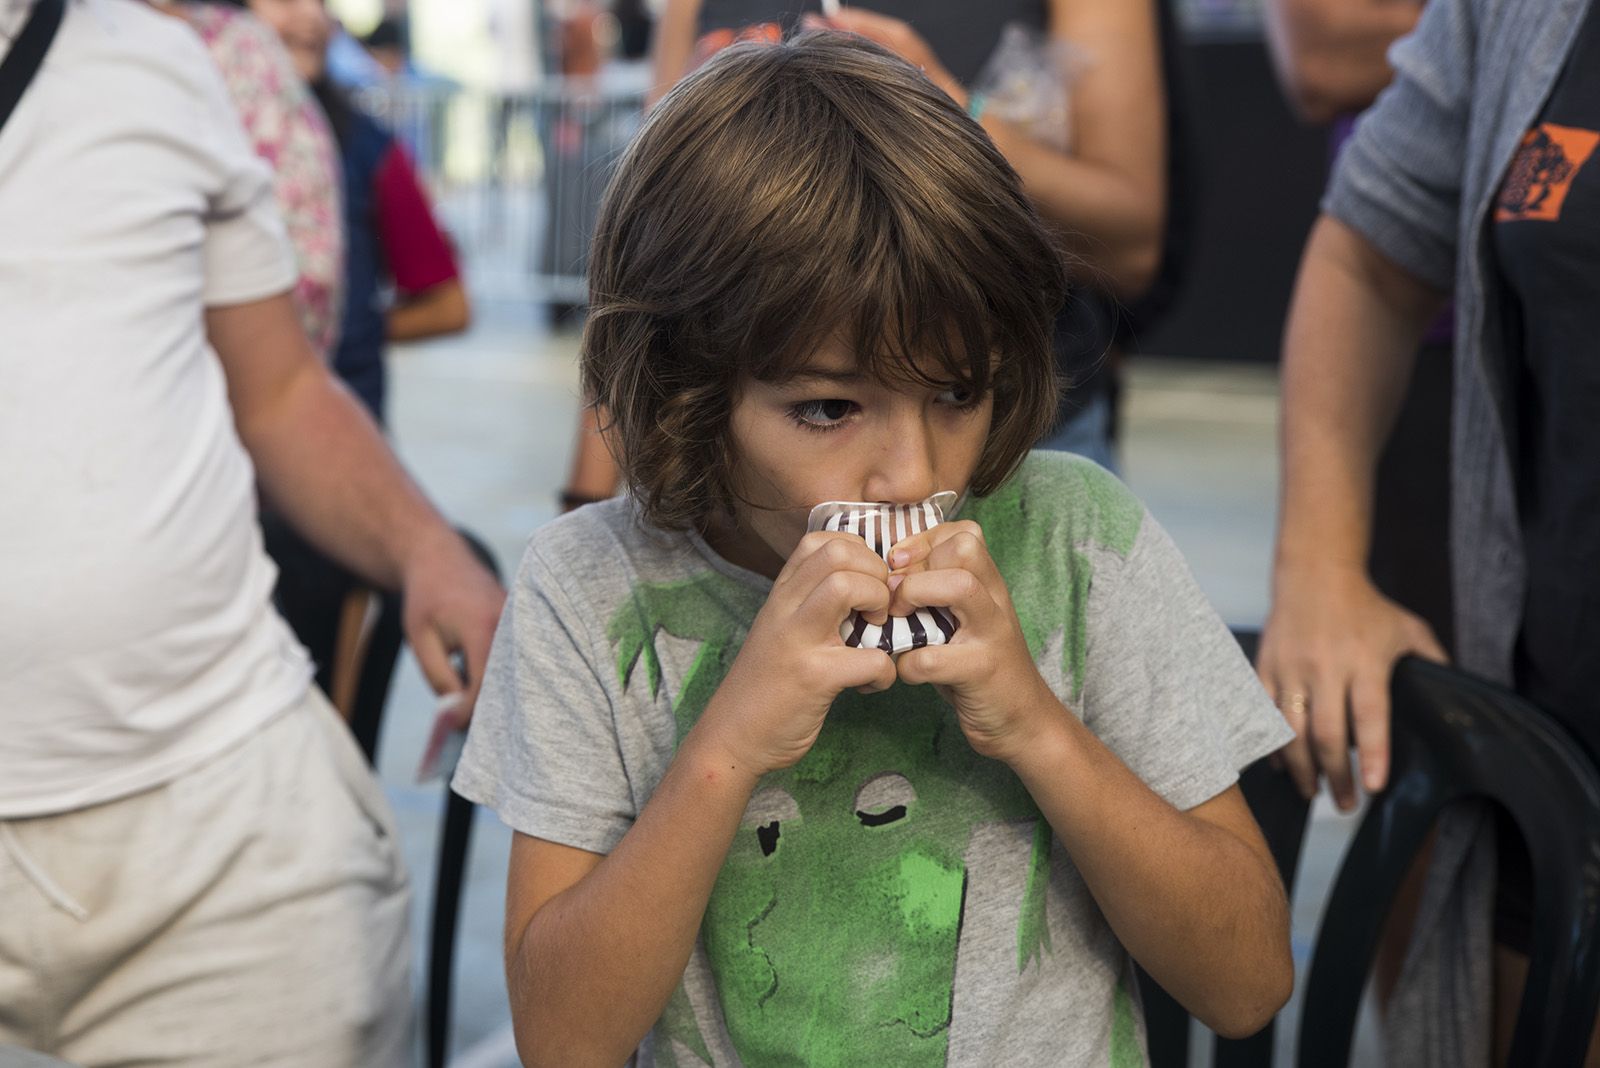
(965, 549)
(836, 595)
(866, 670)
(959, 590)
(918, 546)
(823, 552)
(941, 665)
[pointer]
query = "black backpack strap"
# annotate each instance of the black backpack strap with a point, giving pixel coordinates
(27, 52)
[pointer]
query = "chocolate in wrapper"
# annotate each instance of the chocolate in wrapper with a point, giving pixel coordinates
(882, 526)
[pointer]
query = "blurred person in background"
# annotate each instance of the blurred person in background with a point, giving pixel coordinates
(391, 235)
(1102, 186)
(196, 865)
(386, 43)
(289, 131)
(1474, 173)
(391, 240)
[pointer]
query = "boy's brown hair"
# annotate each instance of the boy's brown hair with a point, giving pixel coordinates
(785, 194)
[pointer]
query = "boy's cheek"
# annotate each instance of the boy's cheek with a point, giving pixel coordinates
(780, 531)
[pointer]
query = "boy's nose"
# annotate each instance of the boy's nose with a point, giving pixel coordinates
(902, 466)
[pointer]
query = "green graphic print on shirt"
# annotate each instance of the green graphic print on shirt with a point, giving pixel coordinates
(832, 931)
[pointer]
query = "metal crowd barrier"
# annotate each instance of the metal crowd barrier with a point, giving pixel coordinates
(516, 178)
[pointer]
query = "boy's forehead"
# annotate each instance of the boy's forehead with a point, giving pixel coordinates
(837, 361)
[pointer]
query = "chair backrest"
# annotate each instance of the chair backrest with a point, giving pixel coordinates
(1456, 738)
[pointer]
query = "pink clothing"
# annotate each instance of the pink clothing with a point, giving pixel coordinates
(290, 132)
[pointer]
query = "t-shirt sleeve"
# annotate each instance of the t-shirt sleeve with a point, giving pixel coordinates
(418, 253)
(1166, 686)
(246, 250)
(542, 750)
(288, 131)
(1398, 179)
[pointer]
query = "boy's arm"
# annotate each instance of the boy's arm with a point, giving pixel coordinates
(1194, 896)
(596, 945)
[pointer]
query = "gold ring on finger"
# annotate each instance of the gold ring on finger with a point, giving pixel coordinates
(1297, 703)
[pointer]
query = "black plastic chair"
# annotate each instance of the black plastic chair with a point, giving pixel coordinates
(1458, 738)
(1455, 738)
(454, 841)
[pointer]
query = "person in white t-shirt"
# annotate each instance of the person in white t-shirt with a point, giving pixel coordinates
(196, 866)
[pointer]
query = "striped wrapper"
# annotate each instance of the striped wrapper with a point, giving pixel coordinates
(882, 526)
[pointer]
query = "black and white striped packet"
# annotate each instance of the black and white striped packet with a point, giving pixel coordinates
(882, 526)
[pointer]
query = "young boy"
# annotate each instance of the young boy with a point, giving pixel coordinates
(741, 841)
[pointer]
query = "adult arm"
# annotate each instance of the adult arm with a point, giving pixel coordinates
(594, 475)
(673, 46)
(1107, 197)
(323, 463)
(1331, 56)
(435, 312)
(1332, 639)
(1370, 280)
(430, 299)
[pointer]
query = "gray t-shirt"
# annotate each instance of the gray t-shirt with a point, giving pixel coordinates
(893, 898)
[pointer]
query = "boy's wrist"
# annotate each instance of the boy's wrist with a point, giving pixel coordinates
(1041, 749)
(716, 764)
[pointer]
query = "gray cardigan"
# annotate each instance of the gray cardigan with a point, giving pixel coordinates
(1417, 180)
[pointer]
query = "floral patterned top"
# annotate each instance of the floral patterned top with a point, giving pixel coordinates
(290, 132)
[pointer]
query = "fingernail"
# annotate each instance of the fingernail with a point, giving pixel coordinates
(894, 582)
(899, 558)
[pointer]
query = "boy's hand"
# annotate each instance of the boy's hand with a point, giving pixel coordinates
(768, 711)
(985, 671)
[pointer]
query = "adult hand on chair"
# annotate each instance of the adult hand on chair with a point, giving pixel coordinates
(452, 606)
(1327, 652)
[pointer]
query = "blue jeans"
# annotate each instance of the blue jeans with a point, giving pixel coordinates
(1088, 433)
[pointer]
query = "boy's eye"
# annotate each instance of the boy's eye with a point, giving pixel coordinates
(822, 414)
(959, 397)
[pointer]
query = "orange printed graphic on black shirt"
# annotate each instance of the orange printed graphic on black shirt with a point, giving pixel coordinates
(1542, 171)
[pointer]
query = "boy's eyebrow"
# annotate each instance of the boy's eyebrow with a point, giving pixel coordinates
(826, 375)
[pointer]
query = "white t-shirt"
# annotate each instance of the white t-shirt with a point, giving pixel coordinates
(137, 635)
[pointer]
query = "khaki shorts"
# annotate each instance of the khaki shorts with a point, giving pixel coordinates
(252, 911)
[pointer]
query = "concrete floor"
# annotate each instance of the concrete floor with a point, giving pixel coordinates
(486, 423)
